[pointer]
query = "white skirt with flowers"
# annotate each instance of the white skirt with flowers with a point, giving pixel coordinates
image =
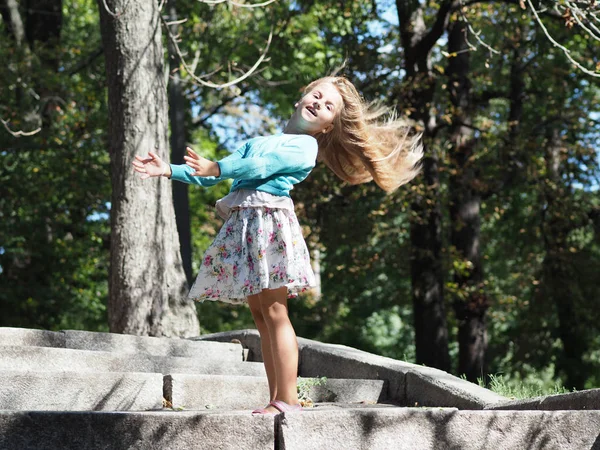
(257, 248)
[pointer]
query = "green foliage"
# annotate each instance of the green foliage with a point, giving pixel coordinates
(534, 385)
(54, 229)
(389, 332)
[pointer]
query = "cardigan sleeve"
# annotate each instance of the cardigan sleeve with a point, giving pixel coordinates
(297, 155)
(183, 172)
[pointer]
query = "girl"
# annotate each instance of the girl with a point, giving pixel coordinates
(259, 255)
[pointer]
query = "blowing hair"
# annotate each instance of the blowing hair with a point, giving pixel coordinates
(364, 145)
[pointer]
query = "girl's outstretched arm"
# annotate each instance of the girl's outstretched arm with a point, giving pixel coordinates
(151, 166)
(201, 171)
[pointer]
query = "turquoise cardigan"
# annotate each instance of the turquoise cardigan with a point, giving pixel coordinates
(270, 164)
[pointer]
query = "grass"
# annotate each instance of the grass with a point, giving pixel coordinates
(521, 389)
(304, 385)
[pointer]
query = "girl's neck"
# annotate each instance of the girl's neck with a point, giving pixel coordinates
(291, 129)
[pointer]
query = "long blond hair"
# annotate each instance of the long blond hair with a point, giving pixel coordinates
(362, 147)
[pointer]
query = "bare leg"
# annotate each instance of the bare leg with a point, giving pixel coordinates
(265, 343)
(284, 344)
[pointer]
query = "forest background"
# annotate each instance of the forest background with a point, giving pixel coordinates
(486, 265)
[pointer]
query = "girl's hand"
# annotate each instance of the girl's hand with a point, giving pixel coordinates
(203, 167)
(151, 166)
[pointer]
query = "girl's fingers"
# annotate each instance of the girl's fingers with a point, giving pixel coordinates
(192, 163)
(198, 160)
(153, 155)
(139, 167)
(142, 160)
(192, 153)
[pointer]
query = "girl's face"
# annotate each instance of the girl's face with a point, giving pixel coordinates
(316, 111)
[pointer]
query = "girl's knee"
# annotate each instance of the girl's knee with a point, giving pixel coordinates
(274, 312)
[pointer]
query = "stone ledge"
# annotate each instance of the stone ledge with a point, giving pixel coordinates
(118, 343)
(65, 359)
(135, 430)
(31, 337)
(436, 428)
(582, 400)
(408, 384)
(202, 392)
(77, 391)
(157, 346)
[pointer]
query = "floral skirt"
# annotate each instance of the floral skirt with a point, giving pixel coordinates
(256, 249)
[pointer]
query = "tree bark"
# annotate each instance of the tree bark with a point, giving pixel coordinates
(471, 303)
(147, 286)
(559, 281)
(178, 138)
(431, 332)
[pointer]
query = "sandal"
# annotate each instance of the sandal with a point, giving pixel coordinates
(284, 407)
(262, 411)
(280, 406)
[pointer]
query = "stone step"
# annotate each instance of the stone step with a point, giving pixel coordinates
(118, 391)
(122, 343)
(200, 392)
(80, 391)
(408, 384)
(336, 428)
(64, 359)
(156, 430)
(321, 428)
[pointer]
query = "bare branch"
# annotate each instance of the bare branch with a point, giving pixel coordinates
(575, 13)
(176, 22)
(208, 83)
(115, 14)
(240, 5)
(565, 50)
(491, 50)
(19, 133)
(197, 60)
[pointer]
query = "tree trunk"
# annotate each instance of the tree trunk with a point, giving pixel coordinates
(177, 111)
(147, 286)
(431, 332)
(559, 281)
(471, 303)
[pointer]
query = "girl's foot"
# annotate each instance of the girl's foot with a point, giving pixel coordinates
(278, 406)
(263, 411)
(282, 406)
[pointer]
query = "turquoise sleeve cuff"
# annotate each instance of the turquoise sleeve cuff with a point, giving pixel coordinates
(184, 173)
(179, 172)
